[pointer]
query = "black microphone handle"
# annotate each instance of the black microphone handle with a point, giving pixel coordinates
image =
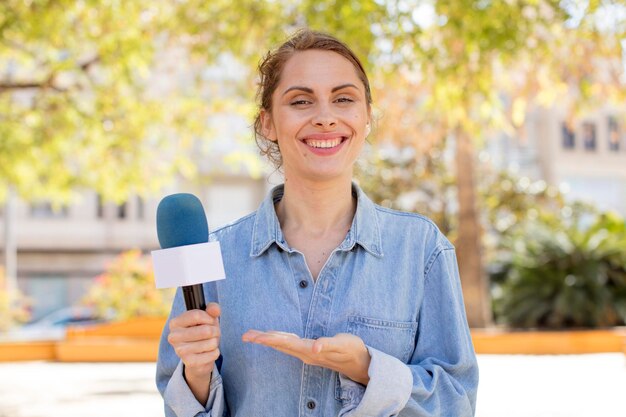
(194, 297)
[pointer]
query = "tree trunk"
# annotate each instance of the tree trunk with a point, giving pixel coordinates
(10, 247)
(468, 243)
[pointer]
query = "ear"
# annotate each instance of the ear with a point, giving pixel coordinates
(267, 126)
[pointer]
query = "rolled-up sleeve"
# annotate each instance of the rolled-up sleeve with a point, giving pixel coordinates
(180, 401)
(441, 378)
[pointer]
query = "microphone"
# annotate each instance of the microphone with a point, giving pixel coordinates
(187, 258)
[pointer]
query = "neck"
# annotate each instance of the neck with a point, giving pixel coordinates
(316, 208)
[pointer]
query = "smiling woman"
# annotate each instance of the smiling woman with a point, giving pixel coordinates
(332, 306)
(318, 117)
(272, 68)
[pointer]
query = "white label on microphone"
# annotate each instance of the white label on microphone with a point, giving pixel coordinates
(188, 265)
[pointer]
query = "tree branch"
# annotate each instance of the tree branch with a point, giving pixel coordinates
(18, 46)
(48, 82)
(87, 64)
(19, 86)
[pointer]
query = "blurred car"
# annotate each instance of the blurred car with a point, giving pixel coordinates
(54, 325)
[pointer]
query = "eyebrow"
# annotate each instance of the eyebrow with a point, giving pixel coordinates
(310, 91)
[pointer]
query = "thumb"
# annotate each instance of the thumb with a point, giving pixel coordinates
(214, 310)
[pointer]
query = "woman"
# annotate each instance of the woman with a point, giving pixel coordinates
(332, 305)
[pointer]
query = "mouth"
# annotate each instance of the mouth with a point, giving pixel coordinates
(324, 143)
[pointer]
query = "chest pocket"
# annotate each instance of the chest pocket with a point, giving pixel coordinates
(396, 338)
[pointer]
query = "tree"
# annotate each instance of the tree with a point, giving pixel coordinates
(423, 182)
(472, 53)
(14, 307)
(73, 98)
(83, 100)
(87, 67)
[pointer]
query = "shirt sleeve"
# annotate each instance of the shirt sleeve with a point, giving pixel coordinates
(441, 378)
(178, 400)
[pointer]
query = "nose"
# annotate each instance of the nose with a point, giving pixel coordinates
(324, 118)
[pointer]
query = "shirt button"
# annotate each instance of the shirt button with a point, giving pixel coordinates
(310, 405)
(304, 284)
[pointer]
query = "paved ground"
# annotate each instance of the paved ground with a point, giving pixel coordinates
(511, 386)
(552, 386)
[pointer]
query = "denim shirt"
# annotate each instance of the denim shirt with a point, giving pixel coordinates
(393, 282)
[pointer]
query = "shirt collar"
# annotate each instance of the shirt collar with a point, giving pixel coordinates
(364, 229)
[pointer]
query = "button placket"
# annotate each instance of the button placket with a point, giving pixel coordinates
(318, 318)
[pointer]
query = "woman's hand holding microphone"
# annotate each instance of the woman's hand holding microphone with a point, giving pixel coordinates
(195, 336)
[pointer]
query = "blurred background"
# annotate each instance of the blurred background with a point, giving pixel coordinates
(503, 121)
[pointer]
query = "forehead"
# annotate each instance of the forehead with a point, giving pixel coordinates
(318, 67)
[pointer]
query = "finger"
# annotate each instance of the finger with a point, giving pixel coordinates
(284, 334)
(271, 336)
(281, 341)
(318, 346)
(329, 344)
(193, 334)
(201, 359)
(191, 318)
(186, 350)
(251, 335)
(206, 346)
(214, 310)
(295, 353)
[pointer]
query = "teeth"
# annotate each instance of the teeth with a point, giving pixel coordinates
(323, 143)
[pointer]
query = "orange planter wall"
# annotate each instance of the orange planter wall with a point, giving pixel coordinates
(548, 342)
(107, 349)
(139, 327)
(134, 340)
(137, 340)
(26, 351)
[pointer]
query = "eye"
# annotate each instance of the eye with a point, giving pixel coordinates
(344, 100)
(300, 102)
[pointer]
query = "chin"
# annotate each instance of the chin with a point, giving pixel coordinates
(329, 175)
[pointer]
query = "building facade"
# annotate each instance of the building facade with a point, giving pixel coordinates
(586, 157)
(60, 252)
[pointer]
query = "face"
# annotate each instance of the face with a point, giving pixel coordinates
(319, 116)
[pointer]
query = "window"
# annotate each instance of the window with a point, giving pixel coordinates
(45, 210)
(568, 137)
(589, 136)
(99, 207)
(121, 210)
(614, 134)
(140, 208)
(49, 293)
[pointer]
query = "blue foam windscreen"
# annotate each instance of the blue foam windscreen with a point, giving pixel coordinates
(181, 221)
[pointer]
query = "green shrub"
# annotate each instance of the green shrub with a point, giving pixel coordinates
(563, 272)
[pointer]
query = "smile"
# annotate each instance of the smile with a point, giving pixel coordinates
(331, 143)
(328, 143)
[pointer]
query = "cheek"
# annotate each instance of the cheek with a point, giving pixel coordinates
(360, 117)
(359, 122)
(288, 123)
